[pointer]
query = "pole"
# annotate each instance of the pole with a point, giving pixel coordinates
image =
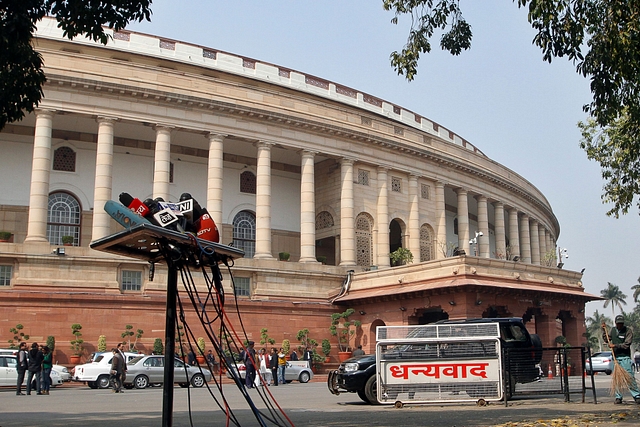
(169, 345)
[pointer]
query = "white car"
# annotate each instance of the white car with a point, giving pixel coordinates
(9, 372)
(96, 373)
(64, 373)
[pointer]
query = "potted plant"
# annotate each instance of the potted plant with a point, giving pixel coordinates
(401, 256)
(158, 348)
(264, 337)
(286, 346)
(317, 361)
(18, 336)
(5, 236)
(345, 330)
(77, 346)
(326, 349)
(284, 256)
(321, 259)
(200, 356)
(67, 240)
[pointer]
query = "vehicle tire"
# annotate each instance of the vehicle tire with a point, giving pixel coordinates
(184, 385)
(141, 382)
(103, 381)
(304, 377)
(608, 371)
(371, 390)
(363, 396)
(198, 380)
(92, 384)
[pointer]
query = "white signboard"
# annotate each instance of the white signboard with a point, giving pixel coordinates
(442, 372)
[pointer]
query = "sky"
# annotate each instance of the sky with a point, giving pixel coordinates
(499, 95)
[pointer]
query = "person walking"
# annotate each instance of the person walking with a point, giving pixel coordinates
(273, 365)
(308, 356)
(636, 359)
(123, 376)
(23, 365)
(264, 376)
(47, 365)
(35, 367)
(620, 338)
(117, 368)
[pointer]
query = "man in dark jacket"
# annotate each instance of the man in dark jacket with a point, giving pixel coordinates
(117, 369)
(250, 365)
(273, 365)
(620, 338)
(23, 365)
(35, 367)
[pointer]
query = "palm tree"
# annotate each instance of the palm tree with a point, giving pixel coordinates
(614, 296)
(636, 291)
(594, 326)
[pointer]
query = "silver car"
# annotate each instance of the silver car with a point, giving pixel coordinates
(291, 372)
(144, 371)
(600, 362)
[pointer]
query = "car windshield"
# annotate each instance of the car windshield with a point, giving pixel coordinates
(135, 360)
(99, 358)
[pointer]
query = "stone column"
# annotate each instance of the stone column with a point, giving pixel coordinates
(162, 163)
(543, 243)
(263, 201)
(414, 218)
(441, 222)
(514, 239)
(535, 243)
(483, 224)
(525, 239)
(308, 208)
(501, 245)
(463, 221)
(40, 173)
(104, 178)
(347, 228)
(215, 171)
(382, 220)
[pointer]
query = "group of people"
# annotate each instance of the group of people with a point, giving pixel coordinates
(37, 362)
(271, 366)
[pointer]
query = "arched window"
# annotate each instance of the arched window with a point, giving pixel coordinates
(324, 220)
(64, 159)
(247, 182)
(63, 218)
(244, 233)
(364, 242)
(426, 243)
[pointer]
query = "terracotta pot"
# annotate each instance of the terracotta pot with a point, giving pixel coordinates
(201, 360)
(74, 360)
(327, 360)
(344, 355)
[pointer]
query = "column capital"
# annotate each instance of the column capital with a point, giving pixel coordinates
(347, 161)
(45, 112)
(308, 153)
(160, 128)
(219, 137)
(106, 119)
(480, 197)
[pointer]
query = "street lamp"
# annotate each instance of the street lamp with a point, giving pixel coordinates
(474, 241)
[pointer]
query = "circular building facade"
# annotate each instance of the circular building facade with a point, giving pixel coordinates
(285, 162)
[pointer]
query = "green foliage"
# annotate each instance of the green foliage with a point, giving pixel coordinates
(77, 344)
(401, 256)
(67, 240)
(102, 343)
(128, 333)
(201, 346)
(602, 39)
(158, 347)
(286, 346)
(18, 336)
(326, 347)
(264, 337)
(614, 296)
(21, 74)
(5, 235)
(284, 256)
(343, 328)
(51, 343)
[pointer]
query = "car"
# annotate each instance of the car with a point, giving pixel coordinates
(599, 362)
(358, 374)
(144, 371)
(292, 372)
(9, 372)
(96, 373)
(64, 373)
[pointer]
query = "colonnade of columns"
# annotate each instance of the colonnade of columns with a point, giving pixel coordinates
(528, 238)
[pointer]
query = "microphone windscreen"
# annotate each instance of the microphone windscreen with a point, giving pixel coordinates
(125, 199)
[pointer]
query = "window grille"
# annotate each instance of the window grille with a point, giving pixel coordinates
(64, 159)
(247, 182)
(242, 286)
(425, 191)
(364, 242)
(63, 218)
(131, 280)
(6, 272)
(324, 220)
(396, 184)
(244, 233)
(363, 177)
(426, 243)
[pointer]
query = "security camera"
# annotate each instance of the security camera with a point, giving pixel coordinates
(480, 233)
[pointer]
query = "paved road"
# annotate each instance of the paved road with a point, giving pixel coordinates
(305, 404)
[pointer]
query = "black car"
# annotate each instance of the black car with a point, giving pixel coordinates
(522, 350)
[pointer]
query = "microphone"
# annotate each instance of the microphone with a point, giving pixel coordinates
(134, 204)
(207, 228)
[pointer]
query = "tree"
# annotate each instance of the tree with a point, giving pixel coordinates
(18, 336)
(128, 333)
(614, 296)
(21, 74)
(636, 291)
(601, 37)
(594, 326)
